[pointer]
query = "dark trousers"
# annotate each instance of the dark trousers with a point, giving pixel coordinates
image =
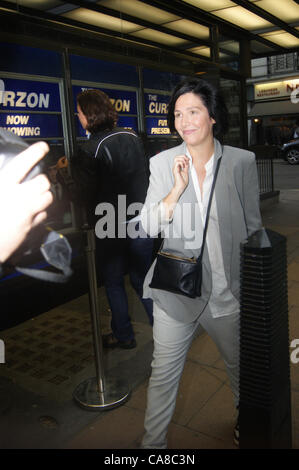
(116, 259)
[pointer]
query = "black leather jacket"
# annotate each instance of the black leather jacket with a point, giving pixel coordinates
(109, 164)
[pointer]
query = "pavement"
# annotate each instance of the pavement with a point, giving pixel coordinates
(49, 358)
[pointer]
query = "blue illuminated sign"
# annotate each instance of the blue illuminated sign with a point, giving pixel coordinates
(157, 126)
(93, 70)
(29, 95)
(156, 104)
(156, 108)
(128, 122)
(39, 126)
(124, 101)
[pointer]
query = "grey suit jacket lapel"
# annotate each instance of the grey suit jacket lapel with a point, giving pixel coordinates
(223, 203)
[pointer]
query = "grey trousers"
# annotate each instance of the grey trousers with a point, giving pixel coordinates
(172, 340)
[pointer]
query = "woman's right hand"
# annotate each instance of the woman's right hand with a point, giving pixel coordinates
(181, 173)
(181, 179)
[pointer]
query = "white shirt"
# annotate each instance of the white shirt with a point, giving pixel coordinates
(222, 302)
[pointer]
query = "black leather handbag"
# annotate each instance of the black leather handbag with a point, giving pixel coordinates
(182, 275)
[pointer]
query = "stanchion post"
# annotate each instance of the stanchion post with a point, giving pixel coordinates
(98, 392)
(94, 309)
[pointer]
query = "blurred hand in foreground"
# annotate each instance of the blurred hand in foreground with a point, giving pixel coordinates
(22, 205)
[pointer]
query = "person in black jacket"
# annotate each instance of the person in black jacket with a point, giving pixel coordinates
(112, 172)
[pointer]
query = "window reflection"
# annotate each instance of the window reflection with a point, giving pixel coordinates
(229, 52)
(231, 91)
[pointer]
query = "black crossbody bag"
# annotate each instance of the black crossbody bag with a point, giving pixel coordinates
(182, 275)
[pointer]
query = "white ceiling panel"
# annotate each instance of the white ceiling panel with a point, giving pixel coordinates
(210, 5)
(100, 19)
(243, 18)
(286, 10)
(271, 25)
(140, 10)
(282, 38)
(159, 37)
(190, 28)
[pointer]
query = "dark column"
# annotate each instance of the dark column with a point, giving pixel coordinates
(265, 404)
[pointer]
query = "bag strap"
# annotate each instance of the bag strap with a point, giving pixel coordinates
(208, 214)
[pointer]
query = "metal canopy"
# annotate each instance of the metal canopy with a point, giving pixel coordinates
(272, 108)
(199, 30)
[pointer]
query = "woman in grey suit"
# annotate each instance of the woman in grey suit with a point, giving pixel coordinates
(176, 205)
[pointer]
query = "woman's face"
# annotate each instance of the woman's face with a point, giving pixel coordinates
(82, 117)
(192, 120)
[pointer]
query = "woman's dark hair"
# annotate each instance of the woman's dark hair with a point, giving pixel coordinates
(98, 110)
(211, 98)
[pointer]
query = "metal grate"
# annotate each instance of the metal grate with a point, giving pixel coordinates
(51, 352)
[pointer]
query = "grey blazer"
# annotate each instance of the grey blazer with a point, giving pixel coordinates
(237, 199)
